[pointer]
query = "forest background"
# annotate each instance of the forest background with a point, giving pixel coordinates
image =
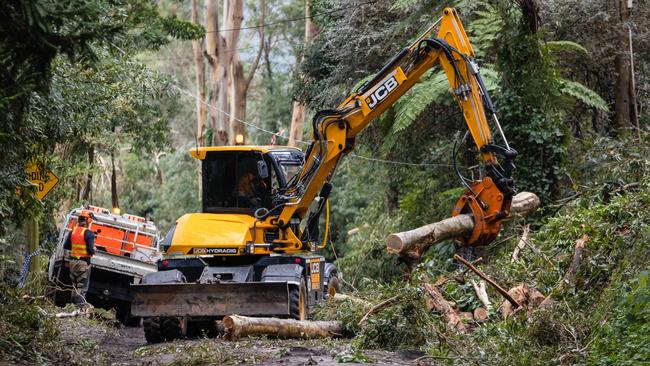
(110, 96)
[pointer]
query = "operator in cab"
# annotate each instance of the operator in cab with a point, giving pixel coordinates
(81, 243)
(250, 191)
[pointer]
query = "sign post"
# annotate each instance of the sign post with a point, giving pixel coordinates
(43, 181)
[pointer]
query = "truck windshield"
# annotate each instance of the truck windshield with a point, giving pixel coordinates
(231, 181)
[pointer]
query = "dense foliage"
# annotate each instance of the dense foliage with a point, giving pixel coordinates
(93, 87)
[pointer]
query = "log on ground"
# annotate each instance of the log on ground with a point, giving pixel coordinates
(410, 245)
(236, 326)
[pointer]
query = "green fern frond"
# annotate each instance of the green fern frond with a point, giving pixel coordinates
(483, 31)
(491, 77)
(564, 46)
(580, 92)
(411, 105)
(408, 108)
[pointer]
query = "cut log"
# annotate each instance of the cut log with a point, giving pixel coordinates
(480, 314)
(410, 245)
(528, 297)
(438, 303)
(236, 326)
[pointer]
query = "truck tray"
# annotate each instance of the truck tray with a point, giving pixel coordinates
(210, 300)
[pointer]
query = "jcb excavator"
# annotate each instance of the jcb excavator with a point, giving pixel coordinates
(251, 251)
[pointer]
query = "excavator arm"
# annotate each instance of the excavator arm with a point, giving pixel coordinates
(334, 133)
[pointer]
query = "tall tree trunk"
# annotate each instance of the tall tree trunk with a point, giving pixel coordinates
(86, 194)
(213, 42)
(623, 99)
(240, 83)
(201, 109)
(199, 66)
(299, 109)
(160, 176)
(114, 200)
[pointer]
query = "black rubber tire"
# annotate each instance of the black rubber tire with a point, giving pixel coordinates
(152, 330)
(332, 285)
(123, 315)
(171, 328)
(298, 301)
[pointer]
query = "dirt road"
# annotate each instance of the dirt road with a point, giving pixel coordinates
(105, 344)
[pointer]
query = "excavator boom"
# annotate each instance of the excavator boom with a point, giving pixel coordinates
(334, 131)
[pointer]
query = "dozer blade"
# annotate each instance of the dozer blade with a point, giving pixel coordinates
(215, 299)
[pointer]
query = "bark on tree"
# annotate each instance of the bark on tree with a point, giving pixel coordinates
(218, 84)
(86, 194)
(411, 245)
(237, 326)
(199, 69)
(240, 83)
(114, 200)
(299, 109)
(624, 98)
(160, 176)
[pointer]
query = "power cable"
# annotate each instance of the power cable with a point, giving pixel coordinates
(254, 126)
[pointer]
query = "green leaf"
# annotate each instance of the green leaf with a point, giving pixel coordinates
(582, 93)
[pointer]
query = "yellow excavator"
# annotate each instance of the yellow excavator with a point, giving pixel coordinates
(252, 249)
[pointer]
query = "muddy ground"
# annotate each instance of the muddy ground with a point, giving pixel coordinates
(107, 343)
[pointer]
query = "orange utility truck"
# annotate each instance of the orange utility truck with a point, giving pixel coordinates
(126, 248)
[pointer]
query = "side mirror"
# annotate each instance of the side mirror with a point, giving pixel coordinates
(262, 169)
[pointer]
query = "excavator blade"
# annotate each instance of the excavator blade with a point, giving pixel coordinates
(209, 300)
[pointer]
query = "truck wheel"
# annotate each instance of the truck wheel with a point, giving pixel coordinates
(333, 286)
(172, 328)
(123, 314)
(152, 330)
(298, 301)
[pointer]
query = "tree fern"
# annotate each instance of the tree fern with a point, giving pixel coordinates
(582, 93)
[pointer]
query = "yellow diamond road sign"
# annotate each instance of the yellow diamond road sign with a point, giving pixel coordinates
(41, 177)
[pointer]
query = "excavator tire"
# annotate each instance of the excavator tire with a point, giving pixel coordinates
(171, 328)
(298, 301)
(152, 330)
(123, 314)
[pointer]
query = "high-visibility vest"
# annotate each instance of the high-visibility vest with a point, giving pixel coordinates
(78, 243)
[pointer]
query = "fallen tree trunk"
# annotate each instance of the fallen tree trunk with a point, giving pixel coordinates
(236, 326)
(410, 245)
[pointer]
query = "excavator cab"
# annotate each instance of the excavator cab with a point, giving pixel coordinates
(243, 179)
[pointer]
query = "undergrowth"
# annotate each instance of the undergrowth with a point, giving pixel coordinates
(601, 318)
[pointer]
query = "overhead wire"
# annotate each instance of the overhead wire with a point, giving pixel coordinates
(256, 127)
